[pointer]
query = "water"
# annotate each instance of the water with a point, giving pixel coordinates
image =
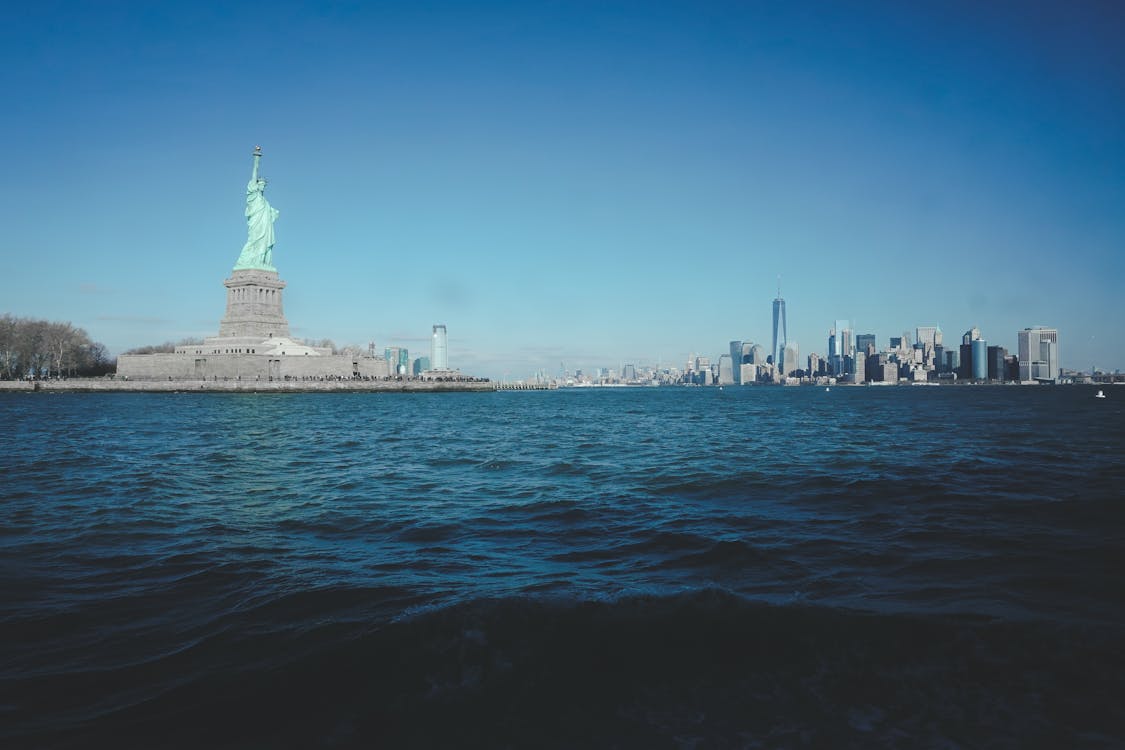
(786, 567)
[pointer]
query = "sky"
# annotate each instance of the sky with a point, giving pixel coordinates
(571, 184)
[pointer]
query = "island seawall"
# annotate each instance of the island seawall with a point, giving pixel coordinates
(242, 386)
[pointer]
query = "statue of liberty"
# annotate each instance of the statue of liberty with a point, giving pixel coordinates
(260, 216)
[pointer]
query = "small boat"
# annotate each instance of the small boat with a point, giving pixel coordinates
(1099, 394)
(826, 388)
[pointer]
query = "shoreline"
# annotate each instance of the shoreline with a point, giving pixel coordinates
(229, 386)
(79, 385)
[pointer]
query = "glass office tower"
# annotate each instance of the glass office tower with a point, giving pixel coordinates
(438, 358)
(777, 351)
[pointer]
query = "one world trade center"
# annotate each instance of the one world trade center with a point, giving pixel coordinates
(779, 337)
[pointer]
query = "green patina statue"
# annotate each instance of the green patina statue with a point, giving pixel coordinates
(260, 215)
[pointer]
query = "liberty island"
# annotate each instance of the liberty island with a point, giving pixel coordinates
(254, 348)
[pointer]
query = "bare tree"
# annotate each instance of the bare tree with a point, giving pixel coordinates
(58, 342)
(95, 360)
(9, 357)
(31, 348)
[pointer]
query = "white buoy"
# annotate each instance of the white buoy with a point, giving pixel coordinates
(1099, 394)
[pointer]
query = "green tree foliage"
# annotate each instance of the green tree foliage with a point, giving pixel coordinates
(31, 348)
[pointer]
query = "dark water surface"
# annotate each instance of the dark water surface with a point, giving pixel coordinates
(785, 567)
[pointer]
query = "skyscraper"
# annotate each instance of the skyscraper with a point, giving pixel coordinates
(996, 362)
(398, 360)
(736, 360)
(980, 359)
(843, 332)
(952, 360)
(928, 336)
(726, 372)
(438, 358)
(840, 351)
(779, 337)
(790, 359)
(1039, 354)
(967, 370)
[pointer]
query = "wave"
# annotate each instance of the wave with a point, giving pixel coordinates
(701, 669)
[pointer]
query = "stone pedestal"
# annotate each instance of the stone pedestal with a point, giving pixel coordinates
(254, 306)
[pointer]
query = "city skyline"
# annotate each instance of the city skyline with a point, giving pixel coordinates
(588, 184)
(921, 356)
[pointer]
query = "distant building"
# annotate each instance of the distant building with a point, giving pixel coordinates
(629, 373)
(980, 359)
(952, 360)
(966, 370)
(928, 336)
(438, 348)
(996, 358)
(726, 371)
(865, 342)
(736, 360)
(1011, 367)
(790, 361)
(814, 365)
(1039, 354)
(777, 351)
(872, 367)
(860, 367)
(398, 360)
(890, 372)
(840, 346)
(421, 365)
(841, 349)
(928, 341)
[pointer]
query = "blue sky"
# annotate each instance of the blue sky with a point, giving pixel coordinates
(566, 182)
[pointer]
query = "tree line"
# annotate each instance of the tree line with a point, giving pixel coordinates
(33, 348)
(167, 347)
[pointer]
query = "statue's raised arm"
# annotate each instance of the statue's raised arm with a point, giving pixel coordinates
(260, 215)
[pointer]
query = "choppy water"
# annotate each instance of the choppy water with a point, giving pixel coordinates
(907, 567)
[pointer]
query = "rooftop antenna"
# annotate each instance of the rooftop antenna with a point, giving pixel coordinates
(779, 286)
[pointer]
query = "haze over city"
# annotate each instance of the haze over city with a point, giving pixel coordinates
(581, 184)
